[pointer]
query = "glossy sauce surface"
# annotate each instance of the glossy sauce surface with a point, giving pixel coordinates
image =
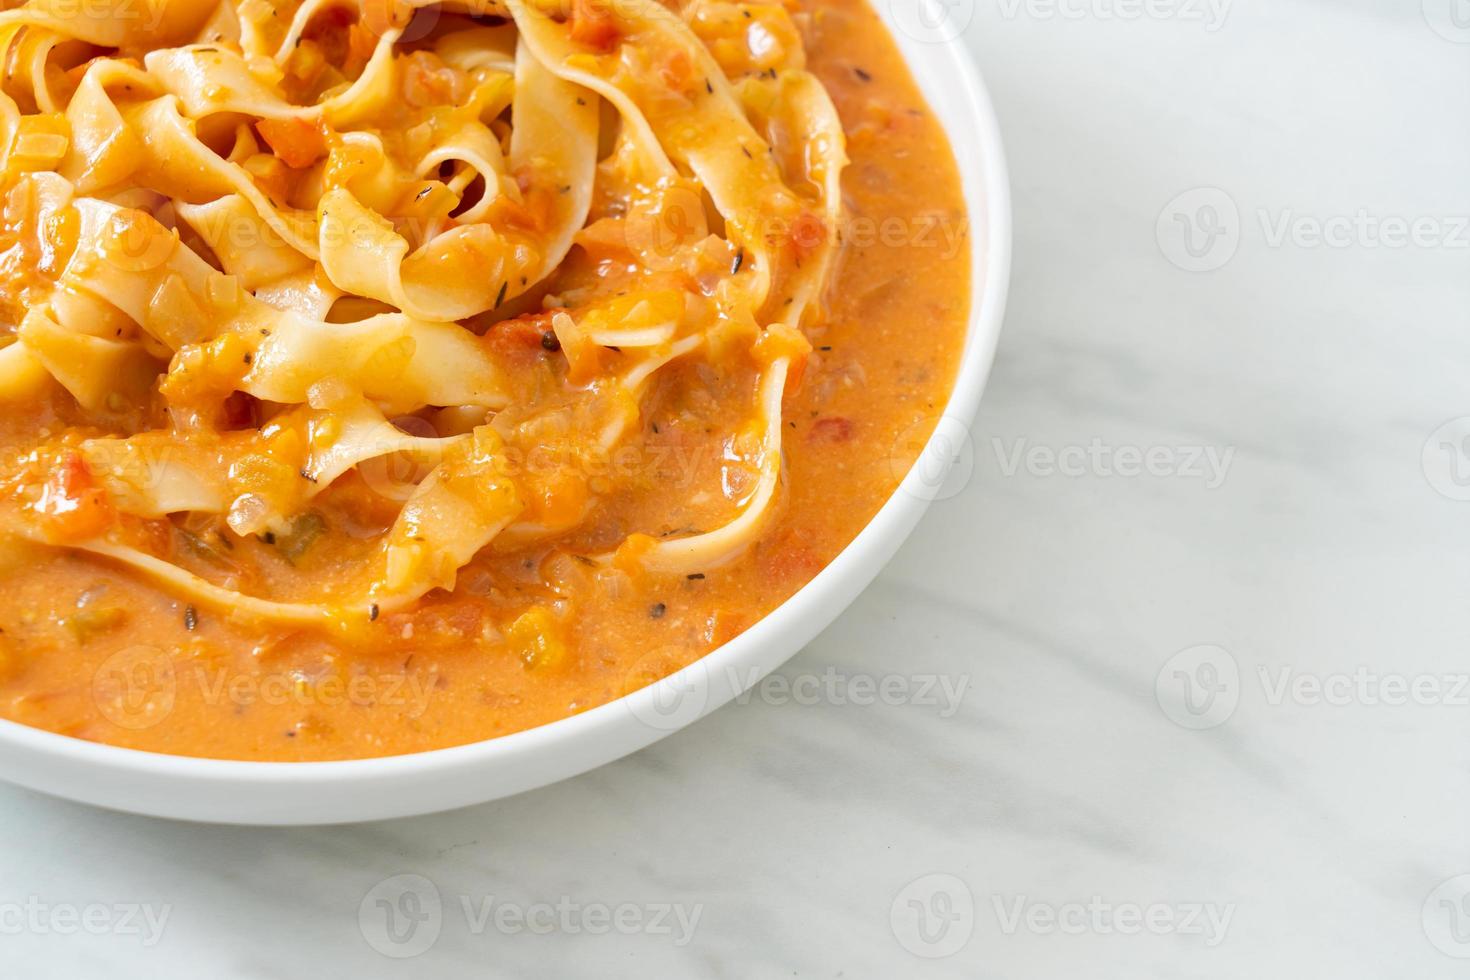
(93, 651)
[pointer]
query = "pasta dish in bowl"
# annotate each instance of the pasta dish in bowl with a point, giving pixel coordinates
(382, 376)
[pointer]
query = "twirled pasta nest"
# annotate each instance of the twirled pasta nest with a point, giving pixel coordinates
(340, 212)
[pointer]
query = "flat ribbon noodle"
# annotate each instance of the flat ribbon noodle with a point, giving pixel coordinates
(226, 201)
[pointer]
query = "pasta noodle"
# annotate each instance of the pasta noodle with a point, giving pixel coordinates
(271, 245)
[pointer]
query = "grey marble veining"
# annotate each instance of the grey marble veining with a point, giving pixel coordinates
(1074, 803)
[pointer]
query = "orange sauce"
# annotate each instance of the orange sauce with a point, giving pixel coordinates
(90, 650)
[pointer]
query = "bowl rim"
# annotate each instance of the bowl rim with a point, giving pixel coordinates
(986, 190)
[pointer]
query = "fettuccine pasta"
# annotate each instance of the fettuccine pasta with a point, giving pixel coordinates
(318, 314)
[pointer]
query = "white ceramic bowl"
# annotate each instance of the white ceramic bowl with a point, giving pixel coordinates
(371, 789)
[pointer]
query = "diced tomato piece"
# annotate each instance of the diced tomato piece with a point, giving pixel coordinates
(297, 142)
(593, 25)
(381, 16)
(465, 618)
(678, 72)
(721, 627)
(72, 506)
(790, 558)
(454, 619)
(796, 374)
(428, 81)
(361, 43)
(605, 237)
(536, 211)
(831, 430)
(528, 332)
(630, 554)
(808, 233)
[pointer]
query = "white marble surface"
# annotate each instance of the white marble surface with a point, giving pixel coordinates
(1313, 832)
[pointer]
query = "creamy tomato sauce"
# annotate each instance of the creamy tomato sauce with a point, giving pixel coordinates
(531, 634)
